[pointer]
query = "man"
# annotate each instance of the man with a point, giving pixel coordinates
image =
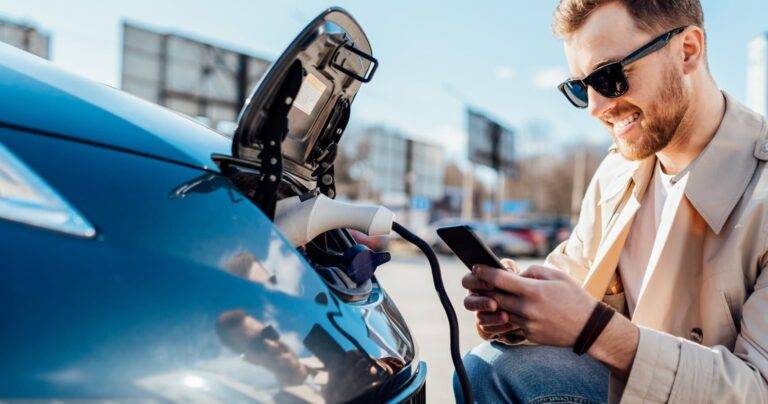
(672, 235)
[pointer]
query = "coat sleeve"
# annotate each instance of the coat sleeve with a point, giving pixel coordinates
(676, 370)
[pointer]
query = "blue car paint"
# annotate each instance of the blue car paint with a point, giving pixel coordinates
(133, 313)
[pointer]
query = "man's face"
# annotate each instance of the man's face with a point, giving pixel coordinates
(645, 119)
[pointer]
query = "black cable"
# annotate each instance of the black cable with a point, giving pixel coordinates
(453, 323)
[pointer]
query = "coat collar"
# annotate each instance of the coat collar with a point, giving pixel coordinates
(719, 175)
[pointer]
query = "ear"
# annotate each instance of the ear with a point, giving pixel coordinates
(693, 49)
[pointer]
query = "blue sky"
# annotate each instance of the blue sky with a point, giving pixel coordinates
(497, 54)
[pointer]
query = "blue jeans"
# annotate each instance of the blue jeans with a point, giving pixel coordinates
(533, 374)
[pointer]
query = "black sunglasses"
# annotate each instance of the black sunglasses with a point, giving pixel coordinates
(610, 80)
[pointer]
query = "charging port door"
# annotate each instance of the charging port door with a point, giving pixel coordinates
(302, 105)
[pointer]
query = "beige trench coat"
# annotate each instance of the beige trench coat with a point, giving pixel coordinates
(703, 312)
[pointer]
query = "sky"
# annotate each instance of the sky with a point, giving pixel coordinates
(435, 56)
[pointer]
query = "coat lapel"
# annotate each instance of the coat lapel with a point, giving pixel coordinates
(622, 212)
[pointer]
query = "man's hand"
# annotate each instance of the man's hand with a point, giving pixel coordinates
(552, 309)
(547, 304)
(490, 320)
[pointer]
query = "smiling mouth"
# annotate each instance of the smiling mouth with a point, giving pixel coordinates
(622, 124)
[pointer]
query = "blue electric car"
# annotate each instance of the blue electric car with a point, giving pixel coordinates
(138, 258)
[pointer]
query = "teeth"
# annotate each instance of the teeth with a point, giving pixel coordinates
(624, 122)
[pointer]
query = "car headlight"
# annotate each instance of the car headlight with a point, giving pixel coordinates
(27, 198)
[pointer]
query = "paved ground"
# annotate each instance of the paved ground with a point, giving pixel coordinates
(408, 280)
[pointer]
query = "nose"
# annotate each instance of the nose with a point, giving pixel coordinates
(599, 104)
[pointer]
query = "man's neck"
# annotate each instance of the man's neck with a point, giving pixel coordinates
(695, 132)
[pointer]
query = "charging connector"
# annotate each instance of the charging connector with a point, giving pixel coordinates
(302, 218)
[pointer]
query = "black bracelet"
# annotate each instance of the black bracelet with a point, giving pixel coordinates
(587, 334)
(597, 322)
(578, 345)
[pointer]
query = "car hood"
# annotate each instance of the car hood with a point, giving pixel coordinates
(44, 98)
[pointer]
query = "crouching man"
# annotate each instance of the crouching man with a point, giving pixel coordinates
(661, 292)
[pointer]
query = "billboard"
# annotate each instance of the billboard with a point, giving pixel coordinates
(199, 79)
(490, 143)
(25, 36)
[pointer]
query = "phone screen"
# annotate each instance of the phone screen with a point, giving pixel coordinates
(468, 247)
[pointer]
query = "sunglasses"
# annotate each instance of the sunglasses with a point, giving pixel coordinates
(610, 80)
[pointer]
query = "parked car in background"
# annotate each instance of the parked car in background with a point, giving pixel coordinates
(556, 229)
(503, 244)
(536, 237)
(544, 233)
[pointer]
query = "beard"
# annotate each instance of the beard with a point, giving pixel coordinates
(660, 123)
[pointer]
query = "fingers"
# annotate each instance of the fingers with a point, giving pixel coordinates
(498, 329)
(542, 272)
(485, 318)
(518, 321)
(505, 280)
(472, 282)
(475, 302)
(514, 305)
(511, 265)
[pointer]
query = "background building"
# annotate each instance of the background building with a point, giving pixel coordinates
(757, 74)
(385, 164)
(25, 36)
(427, 168)
(202, 80)
(389, 168)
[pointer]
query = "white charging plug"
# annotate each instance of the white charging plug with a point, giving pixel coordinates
(301, 220)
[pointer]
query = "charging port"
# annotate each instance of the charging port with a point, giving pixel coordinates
(346, 267)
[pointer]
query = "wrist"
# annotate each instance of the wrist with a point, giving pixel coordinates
(617, 344)
(593, 328)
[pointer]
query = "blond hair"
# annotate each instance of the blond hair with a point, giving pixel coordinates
(650, 15)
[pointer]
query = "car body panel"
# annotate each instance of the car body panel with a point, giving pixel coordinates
(145, 308)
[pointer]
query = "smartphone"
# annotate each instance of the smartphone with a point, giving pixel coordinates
(468, 247)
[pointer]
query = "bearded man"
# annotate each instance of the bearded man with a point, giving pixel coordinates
(661, 292)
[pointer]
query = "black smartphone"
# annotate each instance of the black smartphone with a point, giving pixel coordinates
(468, 247)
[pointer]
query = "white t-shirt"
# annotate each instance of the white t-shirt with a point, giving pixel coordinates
(633, 262)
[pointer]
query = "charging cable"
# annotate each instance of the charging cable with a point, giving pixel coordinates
(453, 323)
